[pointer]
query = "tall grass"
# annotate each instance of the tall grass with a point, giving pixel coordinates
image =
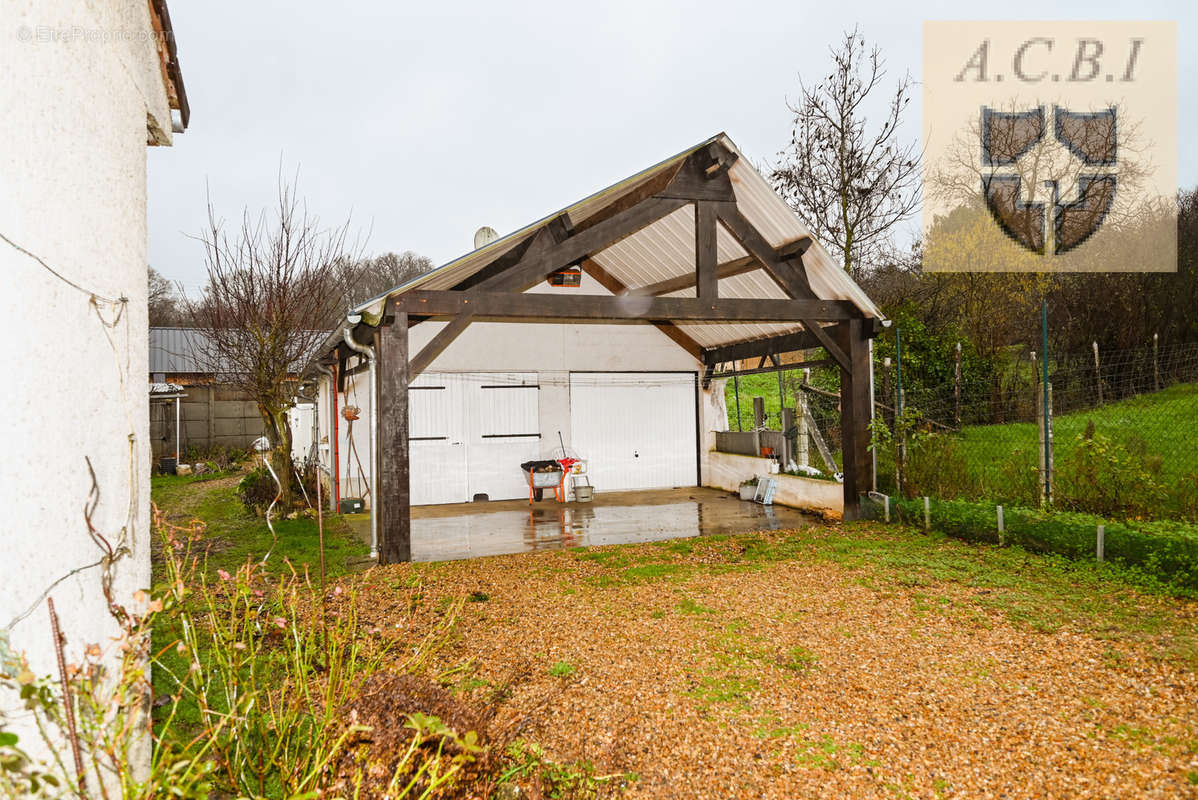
(251, 679)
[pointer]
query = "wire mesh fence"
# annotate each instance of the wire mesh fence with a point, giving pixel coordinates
(1122, 441)
(1123, 425)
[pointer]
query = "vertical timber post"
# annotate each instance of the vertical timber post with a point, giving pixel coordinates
(395, 526)
(1097, 373)
(706, 276)
(854, 415)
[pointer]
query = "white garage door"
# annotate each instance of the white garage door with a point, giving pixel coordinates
(635, 429)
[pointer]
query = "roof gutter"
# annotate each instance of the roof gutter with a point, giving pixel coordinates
(172, 64)
(371, 359)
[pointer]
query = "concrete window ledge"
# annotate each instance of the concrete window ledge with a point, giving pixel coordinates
(727, 471)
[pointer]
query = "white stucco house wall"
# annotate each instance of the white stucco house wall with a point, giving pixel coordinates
(85, 88)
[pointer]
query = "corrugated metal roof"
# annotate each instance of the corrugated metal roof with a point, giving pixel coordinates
(166, 390)
(175, 351)
(665, 250)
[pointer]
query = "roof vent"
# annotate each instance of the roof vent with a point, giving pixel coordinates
(484, 236)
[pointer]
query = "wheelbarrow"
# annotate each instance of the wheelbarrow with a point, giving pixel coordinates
(544, 475)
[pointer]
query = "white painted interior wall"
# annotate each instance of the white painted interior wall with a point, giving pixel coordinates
(73, 192)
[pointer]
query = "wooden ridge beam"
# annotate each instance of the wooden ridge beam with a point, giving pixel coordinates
(616, 286)
(703, 175)
(616, 309)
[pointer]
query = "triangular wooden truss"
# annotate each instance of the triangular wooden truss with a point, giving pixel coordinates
(498, 291)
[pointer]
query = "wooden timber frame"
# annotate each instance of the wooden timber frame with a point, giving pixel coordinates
(496, 292)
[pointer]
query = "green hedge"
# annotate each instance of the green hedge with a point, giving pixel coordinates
(1165, 550)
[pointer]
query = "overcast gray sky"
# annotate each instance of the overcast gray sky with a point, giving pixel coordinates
(425, 121)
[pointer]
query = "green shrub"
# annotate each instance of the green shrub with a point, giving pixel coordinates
(1107, 478)
(1163, 550)
(937, 466)
(218, 457)
(257, 490)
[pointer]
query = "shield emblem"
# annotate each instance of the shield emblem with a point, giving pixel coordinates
(1091, 137)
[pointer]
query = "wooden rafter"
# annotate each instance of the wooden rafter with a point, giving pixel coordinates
(561, 243)
(786, 343)
(536, 265)
(437, 344)
(615, 286)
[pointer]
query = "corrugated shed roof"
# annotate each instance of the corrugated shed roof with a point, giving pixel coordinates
(665, 250)
(176, 351)
(166, 390)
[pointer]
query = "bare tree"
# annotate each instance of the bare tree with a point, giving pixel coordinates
(852, 183)
(274, 292)
(164, 302)
(370, 277)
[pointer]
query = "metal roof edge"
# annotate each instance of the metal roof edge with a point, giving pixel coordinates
(510, 239)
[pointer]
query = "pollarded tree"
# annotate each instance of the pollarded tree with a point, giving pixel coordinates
(852, 182)
(274, 293)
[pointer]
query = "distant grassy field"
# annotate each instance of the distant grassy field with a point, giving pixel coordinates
(1162, 424)
(1159, 430)
(1157, 433)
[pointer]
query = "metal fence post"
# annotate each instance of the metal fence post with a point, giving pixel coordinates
(788, 424)
(1047, 403)
(736, 390)
(1048, 451)
(1156, 371)
(804, 440)
(900, 467)
(1001, 528)
(957, 386)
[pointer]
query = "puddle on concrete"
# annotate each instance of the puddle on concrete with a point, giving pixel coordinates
(551, 527)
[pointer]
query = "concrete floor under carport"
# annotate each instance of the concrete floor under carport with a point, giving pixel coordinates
(472, 530)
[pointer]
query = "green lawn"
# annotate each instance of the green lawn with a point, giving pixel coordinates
(1157, 430)
(1160, 424)
(999, 462)
(234, 537)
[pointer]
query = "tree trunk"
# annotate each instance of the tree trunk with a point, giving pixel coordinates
(278, 432)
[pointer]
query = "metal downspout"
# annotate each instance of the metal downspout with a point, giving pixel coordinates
(328, 373)
(365, 350)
